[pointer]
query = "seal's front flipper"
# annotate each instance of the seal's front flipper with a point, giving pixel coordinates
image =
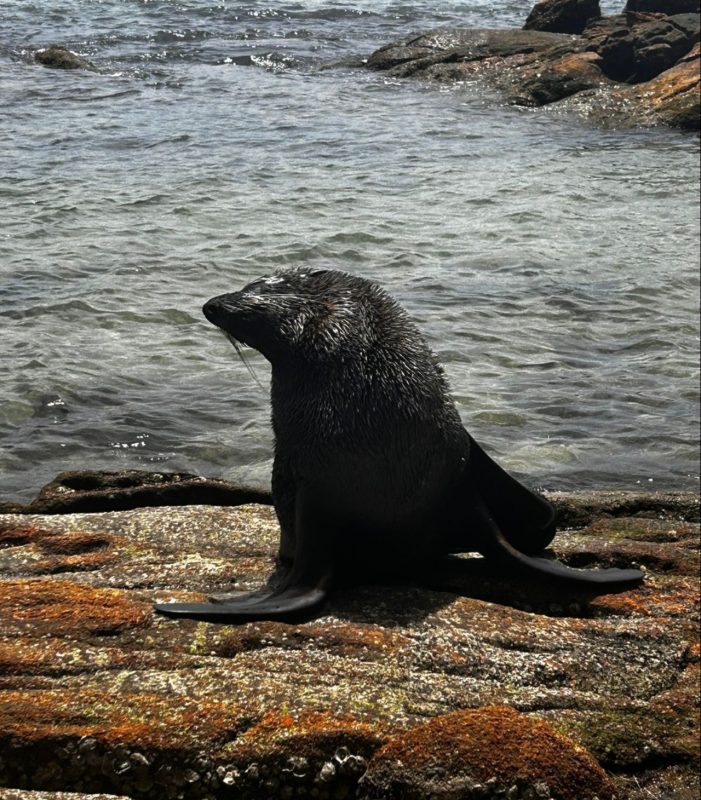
(291, 595)
(291, 605)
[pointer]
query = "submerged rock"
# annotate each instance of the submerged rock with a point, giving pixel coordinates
(61, 58)
(562, 16)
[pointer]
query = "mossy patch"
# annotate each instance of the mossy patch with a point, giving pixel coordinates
(493, 744)
(627, 739)
(642, 529)
(17, 535)
(69, 551)
(55, 657)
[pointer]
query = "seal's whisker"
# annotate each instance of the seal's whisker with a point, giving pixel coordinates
(242, 355)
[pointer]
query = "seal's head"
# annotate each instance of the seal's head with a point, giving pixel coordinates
(302, 314)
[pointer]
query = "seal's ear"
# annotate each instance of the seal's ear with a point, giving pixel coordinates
(293, 327)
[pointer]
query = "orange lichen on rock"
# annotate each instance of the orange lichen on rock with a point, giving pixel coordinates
(149, 721)
(354, 640)
(75, 542)
(693, 653)
(310, 734)
(23, 656)
(673, 96)
(16, 535)
(71, 608)
(69, 551)
(49, 541)
(77, 563)
(655, 598)
(480, 745)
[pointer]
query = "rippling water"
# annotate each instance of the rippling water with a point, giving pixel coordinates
(553, 266)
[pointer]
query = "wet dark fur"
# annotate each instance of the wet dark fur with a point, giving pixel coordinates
(373, 470)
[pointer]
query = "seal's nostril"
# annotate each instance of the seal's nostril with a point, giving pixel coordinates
(209, 309)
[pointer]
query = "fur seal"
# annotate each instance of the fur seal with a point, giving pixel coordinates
(373, 469)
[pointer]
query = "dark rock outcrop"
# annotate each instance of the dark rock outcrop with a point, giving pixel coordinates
(672, 97)
(99, 695)
(61, 58)
(559, 78)
(463, 45)
(664, 6)
(562, 16)
(593, 73)
(93, 491)
(637, 47)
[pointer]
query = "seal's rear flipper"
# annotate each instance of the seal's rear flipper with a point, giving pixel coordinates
(494, 544)
(595, 581)
(525, 518)
(291, 605)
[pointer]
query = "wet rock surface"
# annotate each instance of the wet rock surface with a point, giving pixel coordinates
(637, 47)
(499, 686)
(94, 490)
(634, 68)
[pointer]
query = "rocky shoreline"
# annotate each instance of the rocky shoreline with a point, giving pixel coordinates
(461, 685)
(640, 67)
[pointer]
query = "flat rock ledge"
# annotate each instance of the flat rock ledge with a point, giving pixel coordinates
(459, 685)
(637, 68)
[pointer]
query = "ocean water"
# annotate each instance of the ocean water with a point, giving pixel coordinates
(552, 265)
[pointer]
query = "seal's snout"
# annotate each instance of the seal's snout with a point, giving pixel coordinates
(220, 309)
(209, 309)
